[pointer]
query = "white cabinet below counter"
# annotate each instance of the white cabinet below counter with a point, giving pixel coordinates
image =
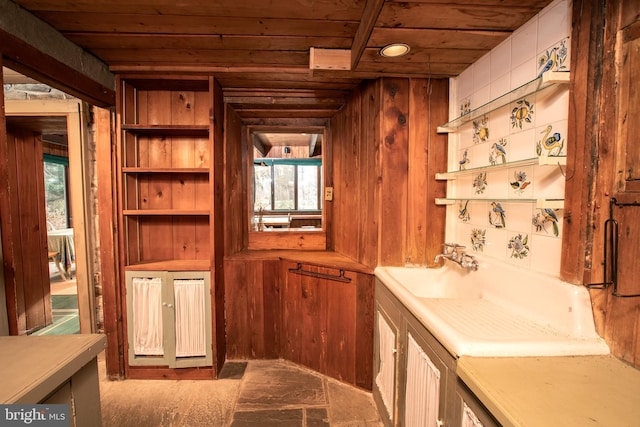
(415, 381)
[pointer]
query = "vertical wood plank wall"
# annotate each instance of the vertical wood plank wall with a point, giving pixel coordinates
(24, 225)
(234, 186)
(327, 325)
(218, 223)
(386, 153)
(591, 178)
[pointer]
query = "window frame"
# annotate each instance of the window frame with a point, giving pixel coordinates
(300, 239)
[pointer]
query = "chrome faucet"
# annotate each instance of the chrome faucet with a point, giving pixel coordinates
(454, 252)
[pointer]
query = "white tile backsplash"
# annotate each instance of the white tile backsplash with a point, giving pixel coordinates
(524, 43)
(508, 66)
(553, 25)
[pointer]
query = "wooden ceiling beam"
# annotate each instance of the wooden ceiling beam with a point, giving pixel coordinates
(94, 40)
(370, 15)
(427, 38)
(301, 9)
(26, 59)
(454, 16)
(190, 24)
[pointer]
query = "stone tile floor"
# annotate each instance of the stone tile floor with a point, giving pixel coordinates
(257, 393)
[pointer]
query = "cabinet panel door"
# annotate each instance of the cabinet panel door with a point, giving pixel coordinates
(190, 344)
(145, 319)
(169, 318)
(422, 389)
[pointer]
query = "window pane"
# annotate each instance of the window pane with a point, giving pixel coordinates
(308, 187)
(262, 188)
(284, 187)
(55, 195)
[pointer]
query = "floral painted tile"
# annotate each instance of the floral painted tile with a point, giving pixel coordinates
(480, 183)
(478, 239)
(518, 246)
(481, 130)
(521, 113)
(520, 182)
(465, 107)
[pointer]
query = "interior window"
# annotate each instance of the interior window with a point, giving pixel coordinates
(55, 188)
(287, 178)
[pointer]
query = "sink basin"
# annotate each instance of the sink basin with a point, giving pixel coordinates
(499, 310)
(431, 282)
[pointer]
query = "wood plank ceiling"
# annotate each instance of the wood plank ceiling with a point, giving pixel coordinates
(259, 50)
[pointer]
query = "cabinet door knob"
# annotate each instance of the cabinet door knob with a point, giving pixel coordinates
(439, 423)
(394, 350)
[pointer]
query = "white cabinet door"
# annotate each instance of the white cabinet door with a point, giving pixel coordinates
(169, 318)
(422, 389)
(386, 363)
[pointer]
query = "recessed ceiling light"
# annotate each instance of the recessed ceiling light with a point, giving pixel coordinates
(394, 50)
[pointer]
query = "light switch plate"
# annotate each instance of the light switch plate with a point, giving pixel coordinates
(328, 193)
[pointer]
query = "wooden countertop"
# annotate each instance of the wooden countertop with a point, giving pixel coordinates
(555, 391)
(318, 258)
(31, 367)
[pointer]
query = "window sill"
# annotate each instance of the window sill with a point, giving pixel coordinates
(290, 238)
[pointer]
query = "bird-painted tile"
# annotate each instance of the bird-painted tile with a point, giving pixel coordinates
(546, 220)
(498, 152)
(551, 143)
(497, 215)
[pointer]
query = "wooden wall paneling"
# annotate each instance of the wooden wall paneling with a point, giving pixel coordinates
(24, 233)
(312, 323)
(393, 152)
(365, 316)
(11, 244)
(346, 193)
(291, 313)
(355, 134)
(239, 276)
(217, 219)
(252, 307)
(370, 175)
(338, 136)
(437, 111)
(341, 326)
(417, 177)
(327, 325)
(271, 281)
(109, 256)
(577, 234)
(6, 244)
(234, 185)
(33, 231)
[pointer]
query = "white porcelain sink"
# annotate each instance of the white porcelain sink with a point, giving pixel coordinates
(498, 310)
(432, 282)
